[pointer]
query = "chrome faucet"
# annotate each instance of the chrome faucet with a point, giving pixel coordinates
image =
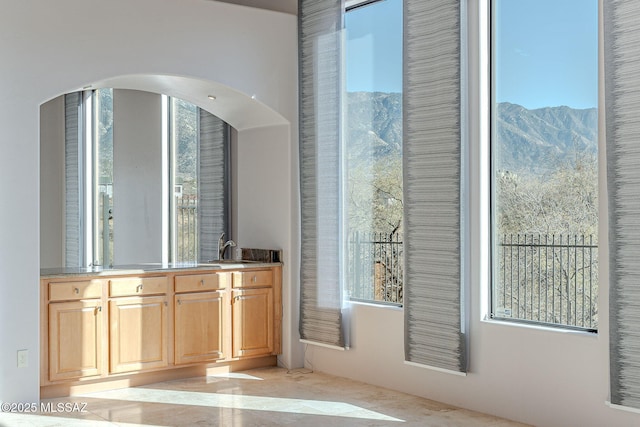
(222, 246)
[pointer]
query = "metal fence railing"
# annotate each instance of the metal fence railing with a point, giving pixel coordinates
(375, 267)
(186, 229)
(551, 279)
(548, 279)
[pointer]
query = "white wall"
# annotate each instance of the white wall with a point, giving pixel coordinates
(137, 177)
(266, 218)
(541, 377)
(51, 48)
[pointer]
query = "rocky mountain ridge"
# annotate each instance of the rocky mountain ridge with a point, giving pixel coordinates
(537, 140)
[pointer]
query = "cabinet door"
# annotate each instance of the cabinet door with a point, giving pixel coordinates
(200, 325)
(137, 333)
(75, 339)
(252, 322)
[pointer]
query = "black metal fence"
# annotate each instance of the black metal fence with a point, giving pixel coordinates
(375, 267)
(549, 279)
(542, 278)
(186, 229)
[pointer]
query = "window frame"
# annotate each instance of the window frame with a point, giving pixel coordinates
(87, 140)
(349, 6)
(88, 143)
(170, 156)
(487, 64)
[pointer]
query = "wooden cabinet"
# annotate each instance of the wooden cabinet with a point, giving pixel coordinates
(138, 286)
(201, 317)
(256, 306)
(253, 278)
(75, 339)
(201, 282)
(138, 329)
(200, 327)
(85, 289)
(126, 328)
(252, 322)
(137, 333)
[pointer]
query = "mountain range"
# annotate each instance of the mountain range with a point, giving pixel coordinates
(543, 139)
(537, 140)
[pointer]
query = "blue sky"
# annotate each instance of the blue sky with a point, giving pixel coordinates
(546, 53)
(378, 69)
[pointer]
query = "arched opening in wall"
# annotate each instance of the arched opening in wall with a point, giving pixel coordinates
(104, 206)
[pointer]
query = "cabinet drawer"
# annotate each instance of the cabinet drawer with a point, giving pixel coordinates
(126, 286)
(252, 279)
(64, 291)
(201, 282)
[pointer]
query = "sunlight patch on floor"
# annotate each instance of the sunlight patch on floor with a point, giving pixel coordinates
(244, 402)
(235, 375)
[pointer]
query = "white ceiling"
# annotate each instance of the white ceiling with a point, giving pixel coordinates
(286, 6)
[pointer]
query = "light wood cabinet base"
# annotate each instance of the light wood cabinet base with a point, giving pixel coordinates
(143, 378)
(101, 333)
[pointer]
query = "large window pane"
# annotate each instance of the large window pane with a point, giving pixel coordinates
(184, 143)
(544, 161)
(373, 151)
(103, 177)
(189, 146)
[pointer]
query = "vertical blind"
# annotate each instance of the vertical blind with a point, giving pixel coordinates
(432, 150)
(73, 184)
(320, 79)
(622, 94)
(213, 188)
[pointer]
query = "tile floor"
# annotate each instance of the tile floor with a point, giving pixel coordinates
(260, 397)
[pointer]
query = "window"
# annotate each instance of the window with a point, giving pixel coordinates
(373, 151)
(544, 162)
(102, 194)
(186, 224)
(184, 172)
(199, 173)
(89, 178)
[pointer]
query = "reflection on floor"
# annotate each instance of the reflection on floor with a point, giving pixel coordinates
(260, 397)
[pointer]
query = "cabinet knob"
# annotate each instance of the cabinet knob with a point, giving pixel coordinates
(76, 290)
(202, 282)
(179, 302)
(254, 279)
(139, 287)
(99, 308)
